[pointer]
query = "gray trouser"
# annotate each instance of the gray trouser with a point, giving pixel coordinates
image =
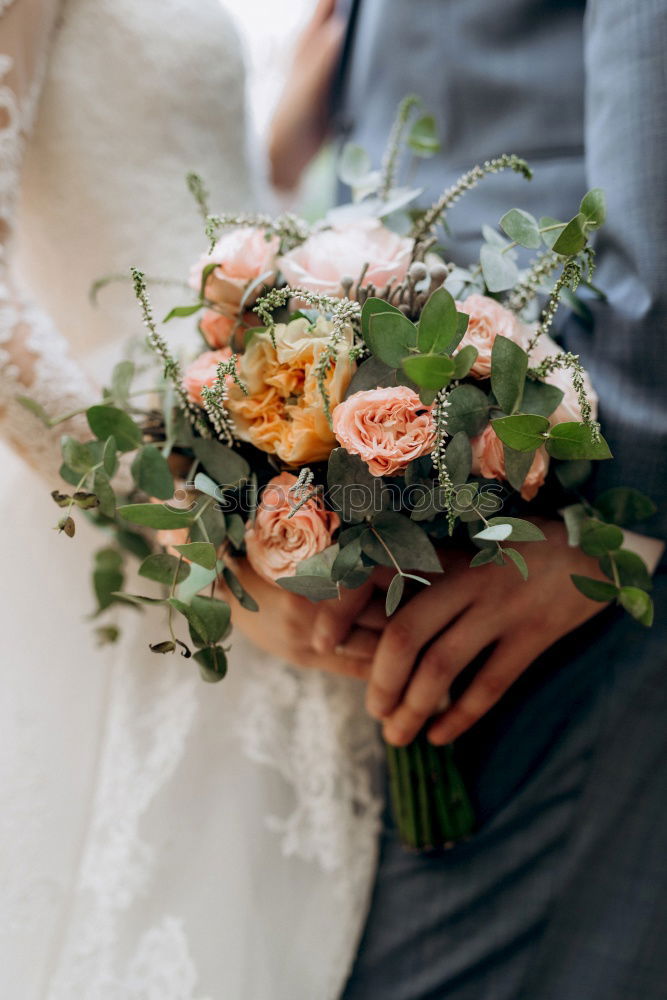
(562, 892)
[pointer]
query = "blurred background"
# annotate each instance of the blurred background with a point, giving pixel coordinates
(268, 44)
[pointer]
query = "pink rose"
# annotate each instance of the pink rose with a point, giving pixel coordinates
(277, 543)
(241, 256)
(202, 372)
(488, 460)
(217, 328)
(569, 408)
(387, 428)
(326, 257)
(488, 319)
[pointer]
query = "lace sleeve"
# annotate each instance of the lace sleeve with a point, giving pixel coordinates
(34, 359)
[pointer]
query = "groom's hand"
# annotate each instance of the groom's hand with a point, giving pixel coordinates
(463, 612)
(301, 120)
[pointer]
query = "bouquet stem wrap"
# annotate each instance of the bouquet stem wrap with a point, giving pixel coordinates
(431, 806)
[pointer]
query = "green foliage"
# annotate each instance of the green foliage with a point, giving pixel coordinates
(121, 382)
(183, 311)
(104, 492)
(517, 465)
(458, 457)
(624, 505)
(423, 137)
(518, 561)
(429, 371)
(224, 465)
(464, 360)
(598, 538)
(315, 588)
(522, 227)
(105, 421)
(164, 568)
(391, 336)
(212, 662)
(394, 540)
(468, 410)
(438, 323)
(201, 553)
(245, 599)
(107, 577)
(523, 431)
(520, 530)
(596, 590)
(354, 493)
(394, 594)
(151, 473)
(509, 364)
(156, 515)
(628, 566)
(572, 440)
(637, 603)
(499, 271)
(541, 398)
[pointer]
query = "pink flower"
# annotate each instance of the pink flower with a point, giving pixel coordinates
(217, 328)
(488, 319)
(488, 460)
(277, 543)
(326, 257)
(241, 256)
(569, 408)
(203, 372)
(387, 428)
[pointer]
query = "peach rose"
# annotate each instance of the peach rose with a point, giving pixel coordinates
(488, 460)
(569, 408)
(217, 328)
(387, 428)
(283, 413)
(277, 543)
(241, 256)
(326, 257)
(203, 372)
(488, 319)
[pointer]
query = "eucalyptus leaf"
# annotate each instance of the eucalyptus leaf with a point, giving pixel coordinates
(624, 505)
(77, 456)
(517, 466)
(509, 364)
(522, 432)
(201, 553)
(522, 531)
(518, 561)
(428, 371)
(105, 421)
(598, 538)
(245, 599)
(464, 360)
(35, 408)
(458, 457)
(574, 516)
(353, 491)
(315, 588)
(593, 208)
(354, 164)
(156, 515)
(637, 603)
(372, 374)
(212, 662)
(521, 227)
(109, 457)
(104, 492)
(408, 544)
(572, 440)
(216, 616)
(183, 311)
(484, 556)
(541, 398)
(423, 136)
(595, 590)
(224, 465)
(438, 323)
(494, 533)
(107, 577)
(631, 569)
(164, 568)
(554, 227)
(346, 560)
(394, 594)
(391, 336)
(573, 238)
(468, 410)
(498, 270)
(152, 474)
(370, 308)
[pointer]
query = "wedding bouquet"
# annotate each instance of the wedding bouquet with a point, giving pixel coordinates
(355, 401)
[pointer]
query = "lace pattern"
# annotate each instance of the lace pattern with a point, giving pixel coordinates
(311, 728)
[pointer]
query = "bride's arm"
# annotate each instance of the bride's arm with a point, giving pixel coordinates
(34, 360)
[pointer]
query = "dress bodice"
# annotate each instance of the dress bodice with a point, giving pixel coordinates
(134, 96)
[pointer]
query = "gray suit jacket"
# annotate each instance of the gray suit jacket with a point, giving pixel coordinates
(580, 90)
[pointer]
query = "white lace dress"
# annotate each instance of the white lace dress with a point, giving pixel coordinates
(160, 839)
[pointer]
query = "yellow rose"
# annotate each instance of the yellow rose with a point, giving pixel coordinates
(283, 412)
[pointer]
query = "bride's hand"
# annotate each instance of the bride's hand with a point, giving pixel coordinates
(301, 119)
(463, 612)
(285, 625)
